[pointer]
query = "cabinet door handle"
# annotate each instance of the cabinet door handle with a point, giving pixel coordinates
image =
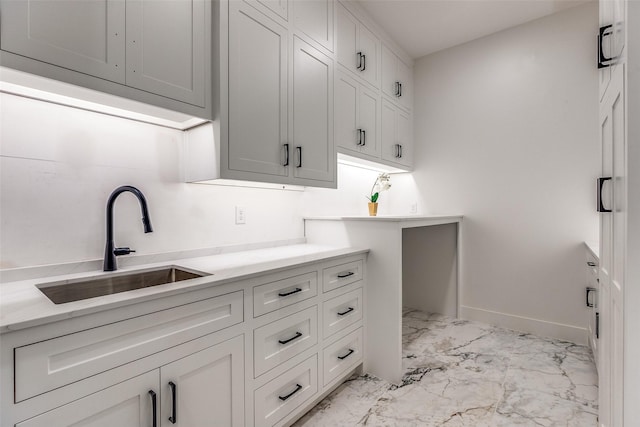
(397, 93)
(286, 294)
(154, 408)
(346, 355)
(298, 388)
(400, 146)
(359, 137)
(601, 182)
(364, 62)
(400, 92)
(603, 61)
(597, 325)
(347, 274)
(174, 395)
(591, 263)
(589, 290)
(359, 67)
(299, 150)
(296, 336)
(364, 137)
(349, 310)
(286, 155)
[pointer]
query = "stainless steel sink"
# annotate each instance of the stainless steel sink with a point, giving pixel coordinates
(76, 290)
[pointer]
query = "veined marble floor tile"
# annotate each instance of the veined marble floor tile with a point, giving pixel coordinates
(463, 373)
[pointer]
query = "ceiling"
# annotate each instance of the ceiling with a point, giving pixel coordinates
(422, 27)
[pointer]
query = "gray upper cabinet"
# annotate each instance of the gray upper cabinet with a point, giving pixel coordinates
(166, 48)
(315, 19)
(357, 48)
(153, 51)
(85, 36)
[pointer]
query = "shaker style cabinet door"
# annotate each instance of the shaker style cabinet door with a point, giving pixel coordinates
(84, 36)
(257, 94)
(397, 140)
(312, 113)
(315, 19)
(126, 404)
(369, 106)
(348, 135)
(205, 389)
(168, 47)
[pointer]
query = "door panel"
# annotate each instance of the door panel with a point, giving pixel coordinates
(84, 36)
(369, 45)
(257, 92)
(312, 113)
(167, 48)
(388, 131)
(347, 37)
(346, 106)
(388, 73)
(369, 108)
(208, 387)
(315, 19)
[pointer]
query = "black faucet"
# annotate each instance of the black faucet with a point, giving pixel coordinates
(110, 252)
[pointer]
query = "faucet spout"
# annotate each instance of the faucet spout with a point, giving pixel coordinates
(110, 251)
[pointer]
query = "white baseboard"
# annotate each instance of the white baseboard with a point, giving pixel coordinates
(538, 327)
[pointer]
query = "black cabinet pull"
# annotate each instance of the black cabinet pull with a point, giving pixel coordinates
(591, 263)
(286, 155)
(364, 62)
(346, 355)
(364, 137)
(298, 388)
(400, 150)
(601, 182)
(604, 61)
(589, 290)
(359, 61)
(174, 394)
(349, 310)
(400, 92)
(397, 89)
(154, 407)
(286, 294)
(296, 336)
(343, 275)
(597, 325)
(359, 137)
(299, 150)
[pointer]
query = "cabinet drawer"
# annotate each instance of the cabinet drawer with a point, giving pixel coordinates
(341, 311)
(278, 398)
(282, 293)
(50, 364)
(279, 341)
(341, 356)
(340, 275)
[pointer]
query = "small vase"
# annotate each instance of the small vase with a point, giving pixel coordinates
(373, 209)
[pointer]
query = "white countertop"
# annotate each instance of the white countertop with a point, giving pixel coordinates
(387, 218)
(22, 305)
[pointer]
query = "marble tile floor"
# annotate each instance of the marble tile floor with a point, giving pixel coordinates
(463, 373)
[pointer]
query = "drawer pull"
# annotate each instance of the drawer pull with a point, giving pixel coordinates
(349, 310)
(286, 294)
(298, 388)
(591, 263)
(154, 407)
(346, 355)
(343, 275)
(174, 413)
(589, 290)
(296, 336)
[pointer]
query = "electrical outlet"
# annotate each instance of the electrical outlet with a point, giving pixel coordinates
(413, 208)
(241, 215)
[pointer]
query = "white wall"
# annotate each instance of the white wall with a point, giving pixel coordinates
(506, 134)
(58, 166)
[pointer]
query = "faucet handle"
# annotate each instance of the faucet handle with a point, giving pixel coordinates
(122, 251)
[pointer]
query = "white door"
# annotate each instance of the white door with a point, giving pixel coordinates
(257, 93)
(369, 47)
(368, 113)
(405, 78)
(205, 389)
(346, 106)
(128, 404)
(347, 39)
(389, 70)
(612, 246)
(388, 143)
(404, 138)
(312, 113)
(606, 11)
(315, 19)
(83, 36)
(167, 48)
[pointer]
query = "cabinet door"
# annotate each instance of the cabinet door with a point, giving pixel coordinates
(368, 111)
(347, 37)
(275, 8)
(257, 93)
(404, 138)
(167, 48)
(405, 78)
(312, 113)
(208, 388)
(126, 404)
(83, 36)
(346, 93)
(388, 132)
(369, 46)
(606, 12)
(315, 19)
(388, 74)
(396, 132)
